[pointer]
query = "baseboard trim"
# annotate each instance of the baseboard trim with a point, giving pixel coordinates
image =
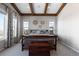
(69, 46)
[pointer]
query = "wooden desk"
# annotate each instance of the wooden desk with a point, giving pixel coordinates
(50, 38)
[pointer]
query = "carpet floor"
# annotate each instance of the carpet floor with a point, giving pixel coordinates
(62, 50)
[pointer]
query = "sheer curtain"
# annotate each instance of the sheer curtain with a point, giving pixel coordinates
(3, 10)
(10, 26)
(15, 27)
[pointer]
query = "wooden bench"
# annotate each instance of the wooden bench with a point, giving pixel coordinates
(39, 49)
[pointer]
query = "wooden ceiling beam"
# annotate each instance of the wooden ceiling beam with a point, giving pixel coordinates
(15, 7)
(38, 14)
(32, 10)
(31, 7)
(46, 6)
(60, 9)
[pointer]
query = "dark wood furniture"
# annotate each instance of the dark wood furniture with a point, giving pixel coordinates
(39, 49)
(52, 39)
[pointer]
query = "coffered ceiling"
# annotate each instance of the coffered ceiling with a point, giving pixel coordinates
(38, 9)
(23, 7)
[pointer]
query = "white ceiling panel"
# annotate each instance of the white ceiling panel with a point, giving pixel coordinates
(53, 7)
(23, 7)
(39, 7)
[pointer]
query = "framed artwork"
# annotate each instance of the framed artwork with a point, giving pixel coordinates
(42, 22)
(35, 22)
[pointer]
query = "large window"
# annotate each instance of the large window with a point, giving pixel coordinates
(51, 25)
(25, 27)
(14, 26)
(3, 26)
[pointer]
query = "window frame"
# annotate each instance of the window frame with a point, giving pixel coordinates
(27, 27)
(52, 26)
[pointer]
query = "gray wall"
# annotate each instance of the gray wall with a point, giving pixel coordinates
(68, 26)
(38, 18)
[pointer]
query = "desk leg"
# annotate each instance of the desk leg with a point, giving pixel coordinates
(22, 43)
(55, 43)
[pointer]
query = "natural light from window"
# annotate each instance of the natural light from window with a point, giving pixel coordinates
(25, 27)
(51, 25)
(2, 26)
